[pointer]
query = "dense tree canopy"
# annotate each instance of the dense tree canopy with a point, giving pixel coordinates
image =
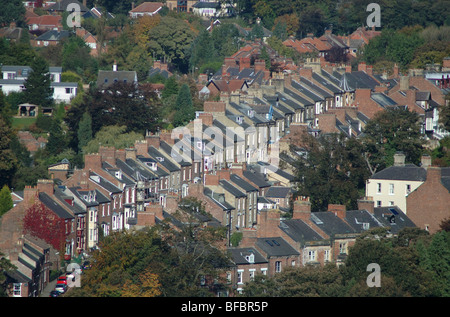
(389, 131)
(412, 264)
(333, 171)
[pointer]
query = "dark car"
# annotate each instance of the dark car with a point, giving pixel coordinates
(86, 265)
(54, 293)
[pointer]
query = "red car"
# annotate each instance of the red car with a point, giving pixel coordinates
(62, 280)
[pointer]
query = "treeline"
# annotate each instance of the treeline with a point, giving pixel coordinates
(408, 47)
(412, 264)
(343, 16)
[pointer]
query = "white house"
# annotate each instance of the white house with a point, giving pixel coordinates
(146, 8)
(206, 9)
(392, 185)
(64, 92)
(14, 77)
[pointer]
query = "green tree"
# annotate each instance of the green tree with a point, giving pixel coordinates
(435, 258)
(170, 41)
(76, 57)
(184, 110)
(140, 61)
(8, 161)
(84, 131)
(56, 141)
(202, 50)
(112, 136)
(37, 85)
(112, 107)
(6, 202)
(308, 281)
(399, 267)
(5, 266)
(12, 11)
(389, 131)
(333, 172)
(171, 87)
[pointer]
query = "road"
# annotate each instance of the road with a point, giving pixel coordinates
(51, 286)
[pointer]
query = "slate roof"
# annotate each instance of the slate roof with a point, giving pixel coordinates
(315, 88)
(275, 246)
(306, 91)
(53, 35)
(326, 82)
(218, 199)
(176, 156)
(299, 231)
(242, 183)
(408, 172)
(238, 255)
(53, 206)
(358, 79)
(278, 192)
(104, 183)
(153, 152)
(257, 178)
(394, 218)
(76, 209)
(106, 78)
(383, 100)
(331, 224)
(358, 219)
(231, 189)
(159, 171)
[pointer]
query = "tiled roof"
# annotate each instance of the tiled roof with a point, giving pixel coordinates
(150, 7)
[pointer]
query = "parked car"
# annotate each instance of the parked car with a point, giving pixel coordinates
(62, 280)
(61, 288)
(54, 293)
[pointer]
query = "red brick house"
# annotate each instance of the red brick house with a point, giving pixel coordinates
(429, 204)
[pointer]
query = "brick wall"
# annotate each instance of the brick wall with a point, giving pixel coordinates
(214, 106)
(364, 103)
(428, 205)
(327, 122)
(108, 154)
(92, 162)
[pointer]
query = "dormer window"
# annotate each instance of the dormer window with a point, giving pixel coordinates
(250, 258)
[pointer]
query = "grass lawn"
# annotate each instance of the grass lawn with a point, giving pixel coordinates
(22, 123)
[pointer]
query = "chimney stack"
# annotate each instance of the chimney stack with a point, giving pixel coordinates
(339, 210)
(399, 159)
(302, 208)
(366, 203)
(426, 161)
